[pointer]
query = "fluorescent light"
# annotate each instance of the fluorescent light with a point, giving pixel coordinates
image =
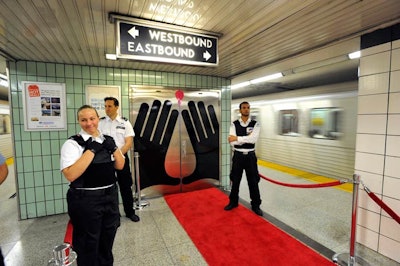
(354, 55)
(111, 56)
(3, 83)
(266, 78)
(240, 85)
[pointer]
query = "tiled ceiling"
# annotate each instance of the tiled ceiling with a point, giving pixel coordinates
(253, 33)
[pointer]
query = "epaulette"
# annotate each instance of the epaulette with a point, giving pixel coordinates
(101, 118)
(124, 118)
(78, 138)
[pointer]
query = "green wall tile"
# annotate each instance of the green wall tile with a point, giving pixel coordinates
(69, 71)
(30, 195)
(48, 180)
(51, 70)
(60, 70)
(50, 208)
(31, 210)
(59, 205)
(39, 193)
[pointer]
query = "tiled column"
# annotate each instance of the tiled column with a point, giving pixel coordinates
(378, 145)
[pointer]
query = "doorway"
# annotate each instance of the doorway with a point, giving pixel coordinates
(177, 138)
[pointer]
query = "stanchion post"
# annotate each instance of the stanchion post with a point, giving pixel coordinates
(139, 204)
(350, 259)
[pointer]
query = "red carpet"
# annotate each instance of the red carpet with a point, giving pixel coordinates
(237, 237)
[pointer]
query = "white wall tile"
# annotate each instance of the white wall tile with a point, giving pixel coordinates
(393, 146)
(395, 81)
(368, 219)
(392, 166)
(395, 60)
(372, 163)
(389, 248)
(372, 124)
(394, 103)
(372, 181)
(373, 64)
(389, 228)
(373, 84)
(373, 104)
(376, 49)
(370, 143)
(367, 237)
(393, 124)
(396, 44)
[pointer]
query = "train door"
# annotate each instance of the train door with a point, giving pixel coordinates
(177, 138)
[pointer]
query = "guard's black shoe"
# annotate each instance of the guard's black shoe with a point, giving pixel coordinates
(230, 206)
(257, 211)
(133, 217)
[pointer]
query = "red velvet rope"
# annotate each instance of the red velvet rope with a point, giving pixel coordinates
(384, 206)
(329, 184)
(68, 233)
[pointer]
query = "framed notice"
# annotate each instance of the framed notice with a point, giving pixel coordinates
(95, 95)
(44, 106)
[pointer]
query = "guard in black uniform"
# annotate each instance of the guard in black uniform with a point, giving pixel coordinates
(88, 161)
(243, 135)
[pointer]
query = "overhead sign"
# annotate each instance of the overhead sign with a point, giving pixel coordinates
(150, 43)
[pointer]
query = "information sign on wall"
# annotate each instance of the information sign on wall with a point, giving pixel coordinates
(44, 106)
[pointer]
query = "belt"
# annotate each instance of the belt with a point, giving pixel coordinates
(95, 191)
(245, 152)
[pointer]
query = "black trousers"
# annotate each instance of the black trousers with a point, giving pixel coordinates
(248, 163)
(125, 182)
(95, 218)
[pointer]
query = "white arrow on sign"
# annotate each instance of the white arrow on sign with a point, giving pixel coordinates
(133, 32)
(206, 55)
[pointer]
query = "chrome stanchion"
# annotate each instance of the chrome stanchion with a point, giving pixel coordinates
(350, 259)
(63, 256)
(139, 203)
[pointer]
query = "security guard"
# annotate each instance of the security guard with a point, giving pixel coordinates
(88, 161)
(243, 135)
(122, 131)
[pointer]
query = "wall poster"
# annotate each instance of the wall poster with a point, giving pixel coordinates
(95, 95)
(44, 106)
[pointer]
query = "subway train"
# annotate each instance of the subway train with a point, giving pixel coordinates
(311, 129)
(5, 130)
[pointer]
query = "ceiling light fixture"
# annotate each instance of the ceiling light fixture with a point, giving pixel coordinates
(266, 78)
(240, 85)
(354, 55)
(111, 56)
(257, 80)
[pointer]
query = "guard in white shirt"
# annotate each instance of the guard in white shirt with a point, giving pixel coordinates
(243, 135)
(122, 131)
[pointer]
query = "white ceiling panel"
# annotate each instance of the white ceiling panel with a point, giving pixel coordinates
(254, 33)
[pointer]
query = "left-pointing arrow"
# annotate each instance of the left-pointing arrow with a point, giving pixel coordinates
(133, 32)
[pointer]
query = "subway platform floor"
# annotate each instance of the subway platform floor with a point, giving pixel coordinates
(319, 217)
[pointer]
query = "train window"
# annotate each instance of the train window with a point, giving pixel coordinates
(326, 123)
(5, 124)
(289, 120)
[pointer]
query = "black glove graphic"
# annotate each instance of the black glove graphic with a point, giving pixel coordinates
(206, 146)
(152, 150)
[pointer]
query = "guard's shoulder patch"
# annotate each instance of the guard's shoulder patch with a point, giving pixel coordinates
(78, 138)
